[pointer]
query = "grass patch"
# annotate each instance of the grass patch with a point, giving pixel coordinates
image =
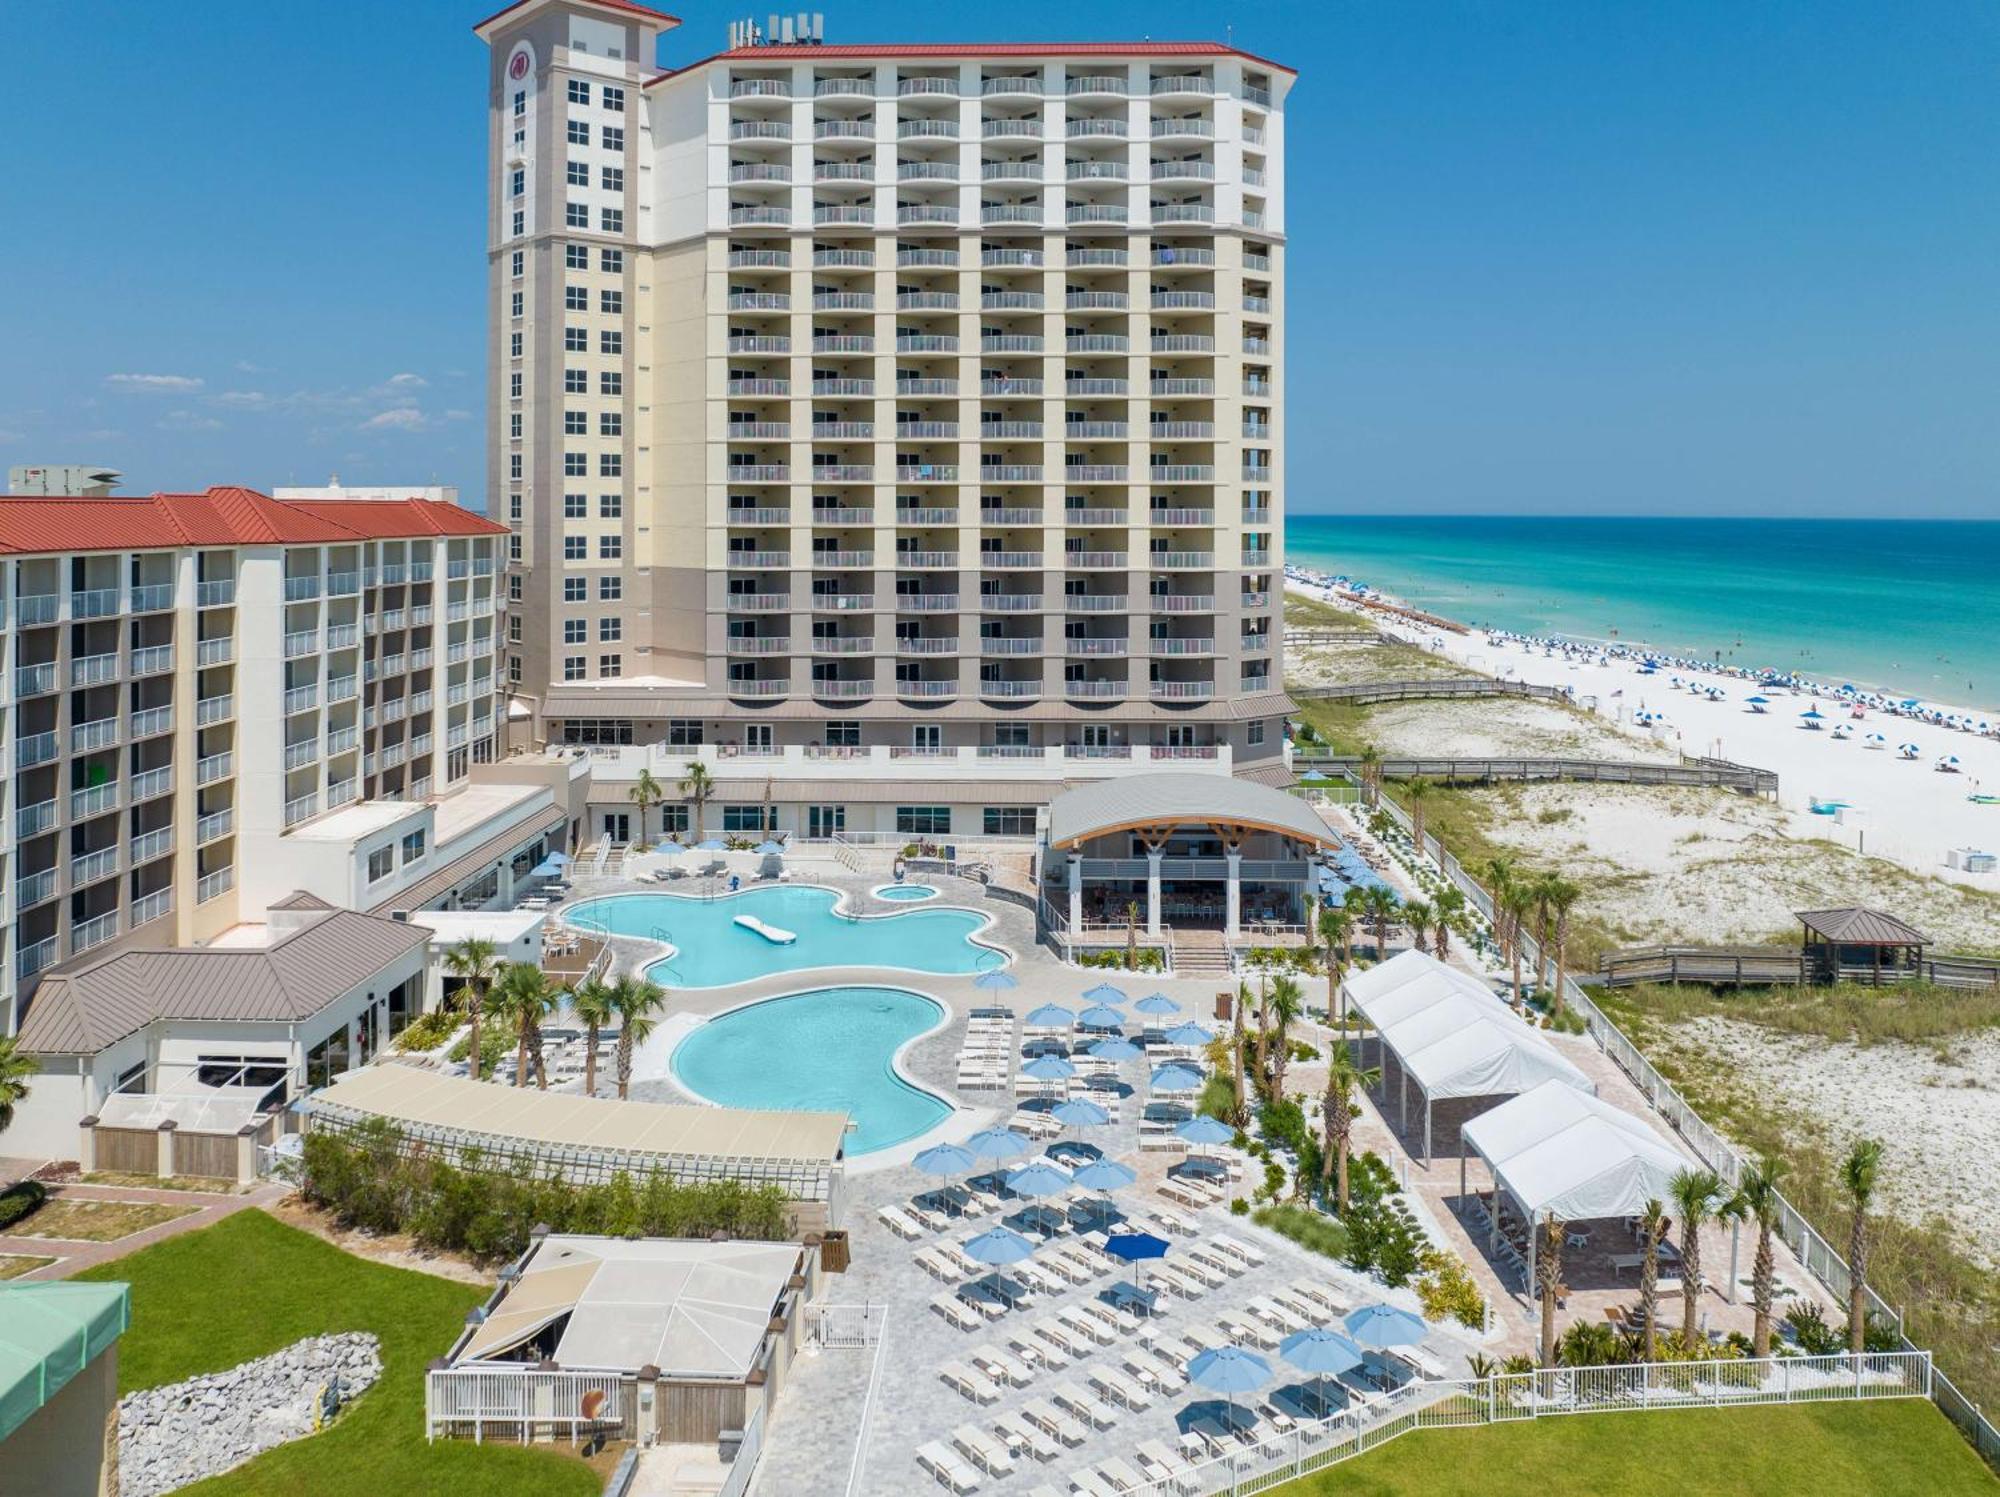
(13, 1265)
(249, 1285)
(1913, 1012)
(1903, 1448)
(96, 1221)
(1309, 1229)
(206, 1184)
(1311, 613)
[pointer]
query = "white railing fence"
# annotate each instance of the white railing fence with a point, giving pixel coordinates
(1813, 1251)
(857, 1468)
(846, 1324)
(744, 1466)
(526, 1398)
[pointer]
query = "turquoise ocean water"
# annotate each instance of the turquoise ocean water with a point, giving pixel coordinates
(1912, 606)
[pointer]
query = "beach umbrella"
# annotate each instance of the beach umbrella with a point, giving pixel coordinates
(1229, 1370)
(1038, 1179)
(1204, 1131)
(1049, 1016)
(711, 844)
(1048, 1068)
(1313, 777)
(1157, 1003)
(1104, 992)
(1758, 701)
(1176, 1078)
(769, 848)
(1320, 1351)
(1189, 1033)
(1130, 1247)
(945, 1159)
(1100, 1017)
(1812, 712)
(560, 859)
(1385, 1325)
(1079, 1112)
(997, 978)
(547, 868)
(1117, 1048)
(996, 1144)
(997, 1247)
(1105, 1175)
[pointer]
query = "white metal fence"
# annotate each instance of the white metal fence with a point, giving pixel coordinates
(526, 1400)
(857, 1468)
(845, 1324)
(744, 1466)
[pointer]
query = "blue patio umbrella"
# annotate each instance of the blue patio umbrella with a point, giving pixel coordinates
(1321, 1351)
(1104, 992)
(711, 844)
(1157, 1003)
(769, 848)
(997, 1247)
(1385, 1325)
(1189, 1033)
(996, 1145)
(1049, 1068)
(1204, 1130)
(1079, 1112)
(946, 1159)
(1099, 1017)
(997, 978)
(1814, 713)
(1176, 1078)
(547, 868)
(1229, 1370)
(1130, 1247)
(1038, 1179)
(1757, 701)
(1312, 777)
(1049, 1016)
(1104, 1175)
(1116, 1048)
(560, 859)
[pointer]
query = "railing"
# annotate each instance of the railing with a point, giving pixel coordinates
(150, 907)
(215, 824)
(213, 885)
(93, 932)
(1709, 773)
(743, 1466)
(479, 1396)
(151, 782)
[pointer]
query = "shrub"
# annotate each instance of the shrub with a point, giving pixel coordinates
(1308, 1228)
(1446, 1290)
(494, 1043)
(1383, 1237)
(22, 1200)
(1302, 1052)
(427, 1031)
(1806, 1324)
(1239, 1207)
(1283, 1123)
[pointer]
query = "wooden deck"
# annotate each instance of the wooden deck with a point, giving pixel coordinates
(1419, 691)
(1719, 774)
(1778, 966)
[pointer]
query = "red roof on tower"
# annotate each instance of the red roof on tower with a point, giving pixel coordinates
(224, 516)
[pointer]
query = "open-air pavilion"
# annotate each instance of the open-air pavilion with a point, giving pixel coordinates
(1452, 1037)
(1860, 945)
(1198, 850)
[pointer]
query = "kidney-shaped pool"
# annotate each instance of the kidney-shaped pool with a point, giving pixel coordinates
(711, 950)
(830, 1050)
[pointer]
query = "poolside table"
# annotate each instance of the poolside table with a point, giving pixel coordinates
(1128, 1296)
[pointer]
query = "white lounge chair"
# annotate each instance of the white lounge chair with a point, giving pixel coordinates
(969, 1382)
(1024, 1436)
(984, 1451)
(1053, 1422)
(959, 1314)
(946, 1469)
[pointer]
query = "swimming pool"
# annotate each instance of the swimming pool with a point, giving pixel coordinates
(830, 1050)
(711, 950)
(905, 893)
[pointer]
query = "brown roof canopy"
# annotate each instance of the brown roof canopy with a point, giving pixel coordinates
(1855, 926)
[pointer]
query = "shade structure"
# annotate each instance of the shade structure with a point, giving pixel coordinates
(998, 978)
(1104, 1174)
(711, 844)
(1104, 992)
(996, 1144)
(1189, 1034)
(1157, 1003)
(769, 848)
(1321, 1352)
(946, 1159)
(1563, 1154)
(1130, 1247)
(1049, 1068)
(1079, 1112)
(996, 1247)
(1176, 1078)
(1098, 1016)
(1229, 1370)
(560, 859)
(1205, 1131)
(1385, 1325)
(49, 1333)
(1117, 1048)
(547, 868)
(1039, 1179)
(1049, 1016)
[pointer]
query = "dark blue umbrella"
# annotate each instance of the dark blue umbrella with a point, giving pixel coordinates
(1130, 1247)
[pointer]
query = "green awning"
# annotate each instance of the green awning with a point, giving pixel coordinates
(48, 1334)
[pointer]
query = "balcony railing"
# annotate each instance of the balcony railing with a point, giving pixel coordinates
(150, 845)
(31, 749)
(300, 808)
(215, 885)
(153, 597)
(93, 801)
(32, 959)
(37, 608)
(93, 933)
(34, 889)
(32, 821)
(89, 867)
(216, 824)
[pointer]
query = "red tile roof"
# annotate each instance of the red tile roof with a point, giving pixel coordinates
(625, 5)
(223, 517)
(858, 51)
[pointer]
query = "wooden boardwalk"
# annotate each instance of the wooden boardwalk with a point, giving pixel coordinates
(1443, 687)
(1717, 774)
(1777, 966)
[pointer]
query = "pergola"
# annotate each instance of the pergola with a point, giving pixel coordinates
(1854, 937)
(1154, 807)
(1453, 1037)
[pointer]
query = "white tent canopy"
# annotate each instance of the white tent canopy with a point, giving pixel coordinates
(1453, 1037)
(1561, 1154)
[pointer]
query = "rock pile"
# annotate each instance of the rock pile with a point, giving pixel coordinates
(184, 1432)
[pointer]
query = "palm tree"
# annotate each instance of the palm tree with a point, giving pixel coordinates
(1131, 935)
(1337, 925)
(1560, 896)
(1287, 1003)
(1499, 881)
(1381, 906)
(525, 997)
(1758, 1197)
(1697, 1197)
(1548, 1279)
(696, 786)
(1859, 1175)
(646, 791)
(638, 1003)
(1240, 1113)
(1417, 917)
(1337, 1112)
(16, 1067)
(1520, 899)
(1370, 762)
(1417, 790)
(476, 961)
(1446, 906)
(1263, 1030)
(591, 1002)
(1652, 1227)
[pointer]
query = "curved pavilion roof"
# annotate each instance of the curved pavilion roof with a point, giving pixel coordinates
(1162, 802)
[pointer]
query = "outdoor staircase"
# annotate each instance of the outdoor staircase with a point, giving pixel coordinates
(1203, 959)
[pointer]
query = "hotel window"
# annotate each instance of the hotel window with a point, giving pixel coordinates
(614, 99)
(575, 424)
(576, 257)
(575, 382)
(1256, 734)
(610, 547)
(514, 466)
(610, 589)
(514, 508)
(611, 301)
(611, 220)
(577, 174)
(613, 137)
(520, 222)
(579, 91)
(575, 631)
(520, 264)
(413, 846)
(611, 261)
(514, 385)
(743, 818)
(683, 732)
(513, 628)
(576, 216)
(575, 548)
(573, 667)
(923, 821)
(575, 464)
(514, 554)
(575, 589)
(520, 103)
(610, 424)
(514, 581)
(381, 863)
(610, 665)
(610, 506)
(612, 178)
(610, 631)
(576, 340)
(514, 670)
(610, 464)
(575, 299)
(514, 345)
(1009, 821)
(575, 506)
(844, 734)
(611, 382)
(611, 343)
(517, 184)
(579, 132)
(514, 426)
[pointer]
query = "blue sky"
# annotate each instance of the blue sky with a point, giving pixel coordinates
(1546, 256)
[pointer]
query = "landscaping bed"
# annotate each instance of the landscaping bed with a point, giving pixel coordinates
(81, 1220)
(13, 1265)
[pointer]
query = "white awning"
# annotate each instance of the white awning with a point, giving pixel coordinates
(1560, 1153)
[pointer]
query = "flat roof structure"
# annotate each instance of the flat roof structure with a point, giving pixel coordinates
(1152, 802)
(48, 1334)
(693, 1309)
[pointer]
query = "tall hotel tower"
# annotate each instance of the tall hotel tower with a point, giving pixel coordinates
(908, 394)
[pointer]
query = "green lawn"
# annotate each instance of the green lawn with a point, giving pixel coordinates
(1903, 1448)
(249, 1285)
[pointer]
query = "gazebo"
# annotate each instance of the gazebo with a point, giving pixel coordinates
(1859, 943)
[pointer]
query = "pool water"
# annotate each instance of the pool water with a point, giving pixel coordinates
(905, 893)
(831, 1050)
(712, 951)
